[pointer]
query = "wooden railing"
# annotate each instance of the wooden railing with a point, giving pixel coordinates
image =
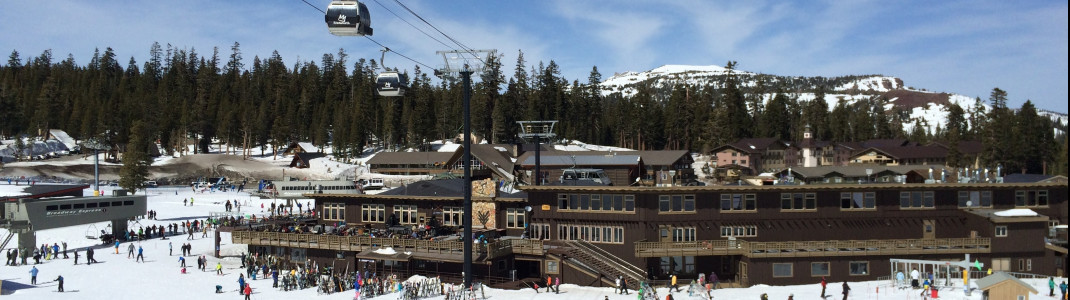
(359, 243)
(815, 248)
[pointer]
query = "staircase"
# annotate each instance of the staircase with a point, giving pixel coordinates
(608, 265)
(7, 240)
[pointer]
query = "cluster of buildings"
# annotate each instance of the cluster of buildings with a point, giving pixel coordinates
(892, 200)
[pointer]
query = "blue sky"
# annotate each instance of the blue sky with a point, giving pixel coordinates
(964, 47)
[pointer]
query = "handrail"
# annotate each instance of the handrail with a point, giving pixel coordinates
(625, 265)
(814, 248)
(361, 243)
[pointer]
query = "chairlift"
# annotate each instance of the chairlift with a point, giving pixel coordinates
(390, 83)
(89, 232)
(348, 18)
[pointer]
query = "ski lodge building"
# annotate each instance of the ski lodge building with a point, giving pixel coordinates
(748, 235)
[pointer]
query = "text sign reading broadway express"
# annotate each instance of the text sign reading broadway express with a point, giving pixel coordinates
(73, 212)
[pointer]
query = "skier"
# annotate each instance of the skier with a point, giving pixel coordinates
(33, 275)
(219, 268)
(170, 249)
(130, 251)
(89, 256)
(60, 280)
(672, 278)
(140, 254)
(248, 291)
(76, 257)
(241, 283)
(65, 250)
(116, 246)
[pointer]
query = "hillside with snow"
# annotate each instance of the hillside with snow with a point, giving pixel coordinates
(928, 108)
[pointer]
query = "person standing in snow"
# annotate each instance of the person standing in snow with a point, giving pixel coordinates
(823, 285)
(140, 254)
(130, 251)
(248, 291)
(65, 250)
(170, 249)
(219, 268)
(33, 275)
(89, 256)
(60, 280)
(116, 245)
(241, 283)
(846, 290)
(76, 257)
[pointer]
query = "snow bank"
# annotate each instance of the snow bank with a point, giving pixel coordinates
(1018, 212)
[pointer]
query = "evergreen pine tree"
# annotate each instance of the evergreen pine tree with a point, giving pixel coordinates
(136, 160)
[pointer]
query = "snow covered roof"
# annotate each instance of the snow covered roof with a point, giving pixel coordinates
(64, 138)
(1018, 212)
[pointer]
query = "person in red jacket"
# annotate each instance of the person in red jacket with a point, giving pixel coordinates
(823, 284)
(248, 291)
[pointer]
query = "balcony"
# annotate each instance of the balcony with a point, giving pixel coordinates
(419, 248)
(815, 248)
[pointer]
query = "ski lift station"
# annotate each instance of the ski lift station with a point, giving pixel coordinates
(42, 206)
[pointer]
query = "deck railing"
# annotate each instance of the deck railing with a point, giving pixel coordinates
(360, 243)
(815, 248)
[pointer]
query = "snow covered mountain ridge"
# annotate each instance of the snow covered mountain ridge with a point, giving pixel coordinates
(930, 108)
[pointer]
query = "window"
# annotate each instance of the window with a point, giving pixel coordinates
(916, 199)
(739, 202)
(606, 234)
(676, 203)
(739, 231)
(859, 268)
(52, 207)
(678, 264)
(683, 234)
(1031, 198)
(782, 270)
(79, 205)
(406, 214)
(540, 231)
(64, 206)
(596, 202)
(858, 201)
(975, 199)
(1001, 231)
(451, 215)
(515, 218)
(551, 267)
(334, 211)
(819, 269)
(798, 201)
(373, 213)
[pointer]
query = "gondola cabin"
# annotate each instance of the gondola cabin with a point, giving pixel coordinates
(348, 18)
(391, 84)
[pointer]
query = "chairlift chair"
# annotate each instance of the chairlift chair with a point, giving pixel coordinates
(348, 18)
(89, 232)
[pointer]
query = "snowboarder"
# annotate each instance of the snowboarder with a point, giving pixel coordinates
(60, 280)
(33, 275)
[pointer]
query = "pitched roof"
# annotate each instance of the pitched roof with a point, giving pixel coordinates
(583, 159)
(396, 158)
(907, 152)
(659, 158)
(440, 188)
(965, 147)
(1024, 178)
(496, 156)
(998, 277)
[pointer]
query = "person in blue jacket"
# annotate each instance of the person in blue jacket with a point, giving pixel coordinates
(241, 283)
(275, 278)
(33, 275)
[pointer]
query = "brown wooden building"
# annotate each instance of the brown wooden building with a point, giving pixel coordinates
(776, 235)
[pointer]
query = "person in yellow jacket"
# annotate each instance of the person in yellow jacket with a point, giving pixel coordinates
(989, 271)
(673, 286)
(219, 268)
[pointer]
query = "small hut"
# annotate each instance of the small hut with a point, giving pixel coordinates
(1004, 286)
